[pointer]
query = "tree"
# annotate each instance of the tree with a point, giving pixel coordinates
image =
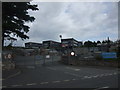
(88, 43)
(94, 44)
(14, 16)
(98, 43)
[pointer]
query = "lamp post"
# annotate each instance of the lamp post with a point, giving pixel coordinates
(60, 45)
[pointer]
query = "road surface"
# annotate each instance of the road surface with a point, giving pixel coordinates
(57, 75)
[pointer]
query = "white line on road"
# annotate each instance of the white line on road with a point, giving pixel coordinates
(66, 80)
(87, 77)
(110, 74)
(75, 69)
(101, 88)
(73, 79)
(31, 84)
(114, 73)
(102, 75)
(95, 76)
(106, 74)
(56, 81)
(72, 74)
(15, 85)
(43, 82)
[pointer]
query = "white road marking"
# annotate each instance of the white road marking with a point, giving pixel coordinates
(101, 88)
(14, 74)
(87, 77)
(102, 75)
(110, 74)
(105, 74)
(95, 76)
(56, 81)
(77, 69)
(73, 79)
(114, 73)
(66, 80)
(31, 84)
(43, 82)
(72, 74)
(15, 85)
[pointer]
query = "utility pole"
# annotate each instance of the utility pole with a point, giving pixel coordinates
(60, 46)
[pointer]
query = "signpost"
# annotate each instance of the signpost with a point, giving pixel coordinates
(109, 55)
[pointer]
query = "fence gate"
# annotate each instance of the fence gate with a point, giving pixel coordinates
(47, 59)
(36, 60)
(24, 61)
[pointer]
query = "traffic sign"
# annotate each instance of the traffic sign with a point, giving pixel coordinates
(9, 56)
(47, 56)
(109, 55)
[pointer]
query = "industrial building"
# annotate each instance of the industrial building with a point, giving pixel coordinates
(33, 45)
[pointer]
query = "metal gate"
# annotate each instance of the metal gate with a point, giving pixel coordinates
(47, 59)
(36, 60)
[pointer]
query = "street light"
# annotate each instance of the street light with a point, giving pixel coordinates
(72, 53)
(60, 45)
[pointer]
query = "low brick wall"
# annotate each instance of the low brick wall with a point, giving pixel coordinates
(98, 63)
(90, 62)
(8, 65)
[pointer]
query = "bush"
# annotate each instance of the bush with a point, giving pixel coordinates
(112, 59)
(98, 58)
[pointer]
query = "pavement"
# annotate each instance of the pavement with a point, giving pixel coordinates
(10, 73)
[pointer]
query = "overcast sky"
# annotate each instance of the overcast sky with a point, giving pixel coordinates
(80, 20)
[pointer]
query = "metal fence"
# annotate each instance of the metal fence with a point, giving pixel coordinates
(36, 60)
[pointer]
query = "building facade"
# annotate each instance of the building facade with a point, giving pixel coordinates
(51, 44)
(70, 42)
(33, 45)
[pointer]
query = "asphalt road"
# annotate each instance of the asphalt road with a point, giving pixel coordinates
(56, 75)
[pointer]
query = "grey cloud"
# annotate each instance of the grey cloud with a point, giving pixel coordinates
(82, 21)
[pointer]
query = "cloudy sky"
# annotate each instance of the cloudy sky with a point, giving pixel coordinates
(80, 20)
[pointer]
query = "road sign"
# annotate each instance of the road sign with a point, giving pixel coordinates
(109, 55)
(47, 56)
(9, 56)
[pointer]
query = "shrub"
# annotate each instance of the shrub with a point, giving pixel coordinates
(98, 58)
